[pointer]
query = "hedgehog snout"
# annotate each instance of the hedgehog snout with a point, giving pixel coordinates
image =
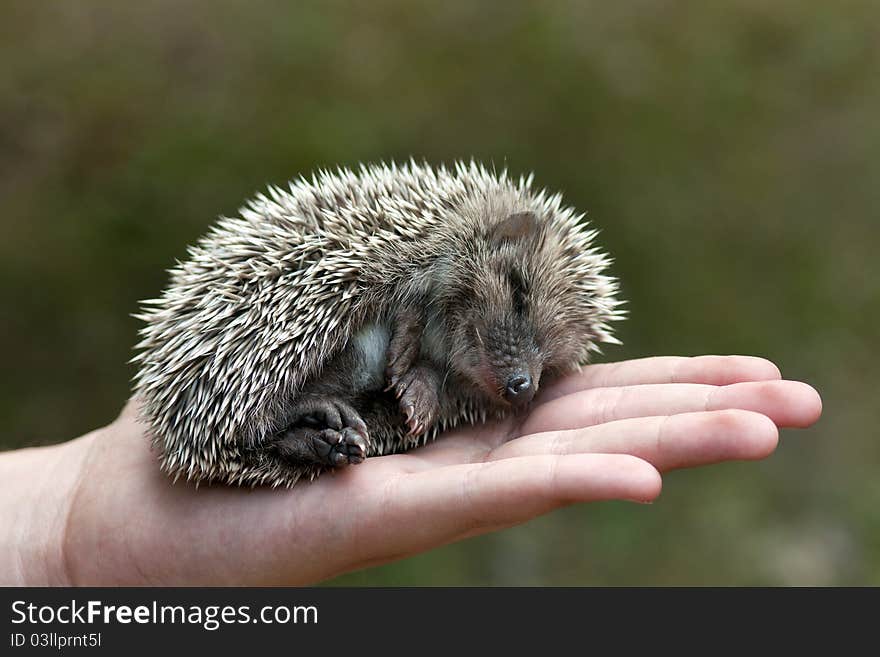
(511, 364)
(515, 377)
(519, 389)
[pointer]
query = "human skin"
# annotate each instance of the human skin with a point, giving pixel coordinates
(97, 511)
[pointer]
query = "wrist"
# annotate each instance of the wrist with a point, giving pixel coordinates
(39, 487)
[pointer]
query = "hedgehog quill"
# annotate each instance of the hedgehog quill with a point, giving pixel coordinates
(361, 313)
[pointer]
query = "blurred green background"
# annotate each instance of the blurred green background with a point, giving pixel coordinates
(729, 152)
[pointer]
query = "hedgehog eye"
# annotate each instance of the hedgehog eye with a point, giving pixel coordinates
(520, 289)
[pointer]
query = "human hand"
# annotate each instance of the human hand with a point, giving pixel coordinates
(605, 433)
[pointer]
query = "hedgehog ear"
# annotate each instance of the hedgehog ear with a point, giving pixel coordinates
(518, 226)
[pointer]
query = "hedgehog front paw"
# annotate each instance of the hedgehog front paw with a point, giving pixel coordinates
(417, 392)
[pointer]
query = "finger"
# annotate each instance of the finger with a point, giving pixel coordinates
(672, 441)
(787, 403)
(710, 370)
(463, 500)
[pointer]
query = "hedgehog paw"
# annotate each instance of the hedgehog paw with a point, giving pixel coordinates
(327, 412)
(417, 393)
(346, 447)
(328, 447)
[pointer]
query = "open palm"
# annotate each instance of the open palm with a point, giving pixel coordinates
(605, 433)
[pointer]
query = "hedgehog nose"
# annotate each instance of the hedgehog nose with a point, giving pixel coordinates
(519, 389)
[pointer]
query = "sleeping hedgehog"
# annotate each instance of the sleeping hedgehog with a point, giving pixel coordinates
(362, 313)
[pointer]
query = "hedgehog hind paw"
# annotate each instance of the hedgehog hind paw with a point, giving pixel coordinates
(320, 412)
(327, 447)
(351, 448)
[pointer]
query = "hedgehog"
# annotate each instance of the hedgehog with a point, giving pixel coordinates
(362, 313)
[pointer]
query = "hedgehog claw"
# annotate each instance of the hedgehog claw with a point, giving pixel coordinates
(417, 394)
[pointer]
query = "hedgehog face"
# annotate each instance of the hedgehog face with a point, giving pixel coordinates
(498, 355)
(513, 315)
